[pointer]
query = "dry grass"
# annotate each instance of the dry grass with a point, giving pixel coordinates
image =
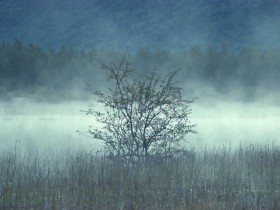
(246, 178)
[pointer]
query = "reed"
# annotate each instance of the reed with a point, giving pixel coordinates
(243, 178)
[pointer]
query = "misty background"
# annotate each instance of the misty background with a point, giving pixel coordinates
(228, 53)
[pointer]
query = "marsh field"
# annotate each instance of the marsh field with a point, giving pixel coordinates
(55, 54)
(243, 178)
(232, 162)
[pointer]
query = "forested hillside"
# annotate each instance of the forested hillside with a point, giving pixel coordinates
(118, 24)
(27, 70)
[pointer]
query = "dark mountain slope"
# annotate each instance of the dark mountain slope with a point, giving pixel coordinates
(155, 23)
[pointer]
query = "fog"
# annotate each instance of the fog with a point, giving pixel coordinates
(40, 104)
(44, 127)
(228, 53)
(220, 122)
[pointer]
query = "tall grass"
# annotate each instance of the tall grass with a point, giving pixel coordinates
(245, 178)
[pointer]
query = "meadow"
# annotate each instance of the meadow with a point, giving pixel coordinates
(242, 178)
(46, 164)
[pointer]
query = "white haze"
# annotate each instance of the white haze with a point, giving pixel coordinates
(220, 122)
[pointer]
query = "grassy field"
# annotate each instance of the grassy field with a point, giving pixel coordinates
(244, 178)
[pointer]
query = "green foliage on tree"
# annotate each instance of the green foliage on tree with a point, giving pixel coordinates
(142, 117)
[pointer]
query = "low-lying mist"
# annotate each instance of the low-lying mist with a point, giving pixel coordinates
(43, 91)
(220, 122)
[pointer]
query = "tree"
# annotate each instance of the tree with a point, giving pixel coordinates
(142, 117)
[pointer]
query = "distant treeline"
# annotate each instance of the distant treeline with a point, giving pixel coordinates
(32, 70)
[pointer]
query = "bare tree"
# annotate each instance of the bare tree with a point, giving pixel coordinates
(143, 116)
